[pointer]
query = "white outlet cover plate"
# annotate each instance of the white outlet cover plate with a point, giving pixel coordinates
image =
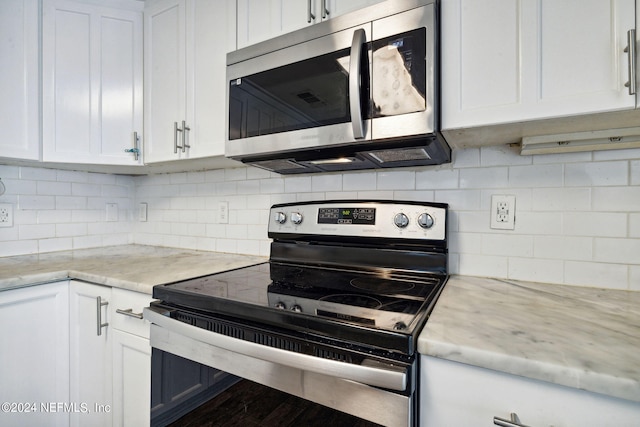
(506, 221)
(6, 215)
(112, 212)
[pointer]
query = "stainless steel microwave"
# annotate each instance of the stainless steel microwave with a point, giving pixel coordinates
(359, 91)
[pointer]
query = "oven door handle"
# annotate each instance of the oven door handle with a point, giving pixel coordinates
(393, 379)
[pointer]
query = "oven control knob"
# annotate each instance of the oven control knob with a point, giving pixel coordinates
(400, 326)
(425, 220)
(296, 218)
(280, 217)
(280, 305)
(401, 220)
(296, 308)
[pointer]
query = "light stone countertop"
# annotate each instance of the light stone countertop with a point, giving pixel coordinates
(133, 267)
(584, 338)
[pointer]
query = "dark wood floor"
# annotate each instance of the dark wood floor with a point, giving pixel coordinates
(251, 404)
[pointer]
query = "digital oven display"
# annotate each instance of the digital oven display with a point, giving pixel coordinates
(362, 216)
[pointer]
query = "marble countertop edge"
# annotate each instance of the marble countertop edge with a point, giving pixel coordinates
(624, 388)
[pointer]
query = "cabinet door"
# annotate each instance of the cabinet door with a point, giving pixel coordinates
(165, 86)
(34, 355)
(210, 24)
(92, 82)
(340, 7)
(258, 20)
(131, 379)
(19, 110)
(508, 61)
(456, 394)
(90, 353)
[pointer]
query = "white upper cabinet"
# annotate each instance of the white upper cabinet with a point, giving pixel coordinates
(186, 42)
(509, 61)
(91, 81)
(19, 48)
(259, 20)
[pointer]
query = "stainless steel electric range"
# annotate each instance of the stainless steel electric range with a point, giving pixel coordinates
(335, 314)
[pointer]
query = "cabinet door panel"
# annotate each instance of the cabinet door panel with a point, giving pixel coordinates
(34, 352)
(508, 61)
(19, 110)
(90, 354)
(92, 82)
(72, 114)
(164, 77)
(131, 380)
(120, 83)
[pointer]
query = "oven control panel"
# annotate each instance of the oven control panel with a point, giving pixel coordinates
(408, 220)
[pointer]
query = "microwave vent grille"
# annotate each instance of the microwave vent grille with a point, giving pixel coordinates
(399, 155)
(278, 165)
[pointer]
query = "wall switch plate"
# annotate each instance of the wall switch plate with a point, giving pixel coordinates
(503, 212)
(6, 215)
(223, 213)
(142, 212)
(112, 212)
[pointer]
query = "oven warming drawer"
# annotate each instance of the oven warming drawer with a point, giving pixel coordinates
(334, 384)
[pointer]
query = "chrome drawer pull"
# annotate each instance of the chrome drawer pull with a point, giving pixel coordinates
(514, 421)
(99, 306)
(129, 312)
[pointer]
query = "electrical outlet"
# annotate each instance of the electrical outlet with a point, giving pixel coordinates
(112, 212)
(503, 212)
(142, 212)
(223, 213)
(6, 215)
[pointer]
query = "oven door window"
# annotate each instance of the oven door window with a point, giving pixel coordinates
(306, 94)
(399, 74)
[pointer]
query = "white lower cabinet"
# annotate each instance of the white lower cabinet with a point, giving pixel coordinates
(110, 371)
(90, 353)
(455, 394)
(131, 359)
(34, 355)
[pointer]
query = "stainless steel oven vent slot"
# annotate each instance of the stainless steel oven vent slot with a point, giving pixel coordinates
(333, 355)
(277, 342)
(186, 318)
(225, 329)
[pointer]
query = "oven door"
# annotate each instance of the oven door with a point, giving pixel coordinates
(366, 392)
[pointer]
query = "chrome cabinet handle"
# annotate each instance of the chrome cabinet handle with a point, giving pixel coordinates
(631, 53)
(175, 137)
(182, 130)
(310, 15)
(185, 128)
(135, 150)
(99, 306)
(325, 11)
(513, 421)
(357, 122)
(129, 312)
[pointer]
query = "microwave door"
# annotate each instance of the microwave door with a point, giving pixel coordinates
(402, 74)
(300, 97)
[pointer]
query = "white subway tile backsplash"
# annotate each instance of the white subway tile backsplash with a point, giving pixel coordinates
(29, 202)
(396, 180)
(361, 181)
(617, 251)
(577, 215)
(329, 182)
(437, 179)
(537, 270)
(560, 199)
(616, 199)
(594, 224)
(497, 177)
(534, 176)
(502, 155)
(601, 275)
(563, 247)
(596, 174)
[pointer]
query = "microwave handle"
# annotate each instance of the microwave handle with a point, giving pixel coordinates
(355, 62)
